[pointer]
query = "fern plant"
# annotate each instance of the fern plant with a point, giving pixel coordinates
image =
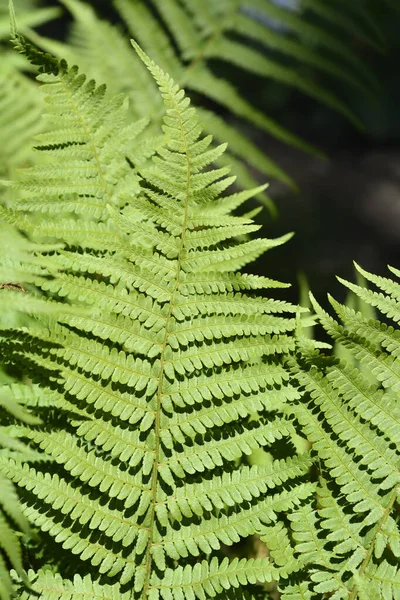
(197, 42)
(149, 397)
(157, 370)
(11, 514)
(348, 539)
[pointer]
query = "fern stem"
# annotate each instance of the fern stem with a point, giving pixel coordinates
(154, 483)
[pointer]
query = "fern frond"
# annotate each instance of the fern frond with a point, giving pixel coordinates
(158, 392)
(79, 588)
(350, 415)
(211, 580)
(85, 49)
(234, 488)
(228, 529)
(80, 148)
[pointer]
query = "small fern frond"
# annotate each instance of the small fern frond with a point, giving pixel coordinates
(80, 150)
(350, 414)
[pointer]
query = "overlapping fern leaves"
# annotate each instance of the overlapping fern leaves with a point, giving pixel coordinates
(350, 545)
(149, 397)
(11, 515)
(156, 371)
(197, 42)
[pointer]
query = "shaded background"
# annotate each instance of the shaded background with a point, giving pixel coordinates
(348, 204)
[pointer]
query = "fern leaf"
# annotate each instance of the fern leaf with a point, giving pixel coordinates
(211, 580)
(233, 489)
(350, 415)
(77, 589)
(162, 383)
(82, 144)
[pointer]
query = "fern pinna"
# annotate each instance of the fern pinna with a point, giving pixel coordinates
(172, 374)
(349, 540)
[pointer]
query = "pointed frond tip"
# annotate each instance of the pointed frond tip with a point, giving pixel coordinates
(154, 69)
(46, 62)
(178, 114)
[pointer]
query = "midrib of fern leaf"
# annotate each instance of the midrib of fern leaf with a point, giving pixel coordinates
(123, 369)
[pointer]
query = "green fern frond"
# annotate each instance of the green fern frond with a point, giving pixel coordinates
(11, 513)
(351, 416)
(158, 372)
(80, 150)
(87, 39)
(160, 380)
(80, 588)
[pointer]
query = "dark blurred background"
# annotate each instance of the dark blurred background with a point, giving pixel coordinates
(348, 204)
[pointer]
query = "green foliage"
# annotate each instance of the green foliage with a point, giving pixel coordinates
(158, 380)
(174, 417)
(351, 416)
(11, 514)
(205, 46)
(20, 100)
